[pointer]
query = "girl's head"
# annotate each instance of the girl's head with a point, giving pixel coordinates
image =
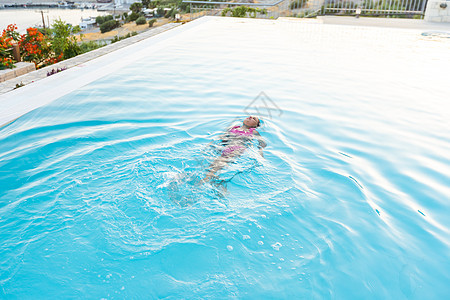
(251, 122)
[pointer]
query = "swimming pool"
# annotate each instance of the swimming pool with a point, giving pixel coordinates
(99, 195)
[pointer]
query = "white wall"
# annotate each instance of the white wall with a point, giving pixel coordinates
(434, 13)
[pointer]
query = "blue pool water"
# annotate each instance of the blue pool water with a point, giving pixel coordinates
(99, 193)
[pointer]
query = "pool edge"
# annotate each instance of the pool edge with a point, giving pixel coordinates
(13, 104)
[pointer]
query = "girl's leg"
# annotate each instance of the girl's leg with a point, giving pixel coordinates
(220, 162)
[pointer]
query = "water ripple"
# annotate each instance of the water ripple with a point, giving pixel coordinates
(101, 188)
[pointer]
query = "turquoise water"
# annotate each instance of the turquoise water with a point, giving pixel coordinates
(99, 193)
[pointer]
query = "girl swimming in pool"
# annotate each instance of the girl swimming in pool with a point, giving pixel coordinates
(234, 144)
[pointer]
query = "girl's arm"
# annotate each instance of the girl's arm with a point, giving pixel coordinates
(261, 143)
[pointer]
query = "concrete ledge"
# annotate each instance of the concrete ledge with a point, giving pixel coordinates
(303, 20)
(20, 69)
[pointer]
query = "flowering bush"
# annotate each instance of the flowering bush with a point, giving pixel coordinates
(8, 37)
(43, 47)
(53, 71)
(36, 48)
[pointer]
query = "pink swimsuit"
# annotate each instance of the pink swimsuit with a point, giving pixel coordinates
(235, 129)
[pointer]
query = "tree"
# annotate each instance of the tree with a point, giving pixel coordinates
(132, 17)
(63, 41)
(154, 4)
(102, 19)
(160, 11)
(37, 48)
(136, 7)
(146, 3)
(108, 26)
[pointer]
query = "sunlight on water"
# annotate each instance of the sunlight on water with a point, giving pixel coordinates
(101, 194)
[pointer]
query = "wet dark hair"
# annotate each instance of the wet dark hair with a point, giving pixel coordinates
(259, 123)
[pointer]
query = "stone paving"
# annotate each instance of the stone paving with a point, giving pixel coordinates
(31, 77)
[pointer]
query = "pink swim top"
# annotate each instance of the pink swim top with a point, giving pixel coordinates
(236, 130)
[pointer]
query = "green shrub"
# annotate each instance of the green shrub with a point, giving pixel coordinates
(295, 4)
(168, 13)
(19, 85)
(225, 11)
(184, 7)
(108, 26)
(141, 21)
(63, 41)
(241, 11)
(102, 19)
(133, 17)
(160, 11)
(91, 45)
(76, 29)
(99, 20)
(45, 31)
(173, 13)
(305, 13)
(115, 39)
(341, 4)
(119, 38)
(151, 22)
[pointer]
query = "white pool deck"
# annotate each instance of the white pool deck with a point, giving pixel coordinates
(40, 90)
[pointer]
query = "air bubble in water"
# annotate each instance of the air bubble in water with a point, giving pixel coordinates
(230, 248)
(277, 246)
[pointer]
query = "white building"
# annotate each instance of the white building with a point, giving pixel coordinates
(87, 23)
(119, 2)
